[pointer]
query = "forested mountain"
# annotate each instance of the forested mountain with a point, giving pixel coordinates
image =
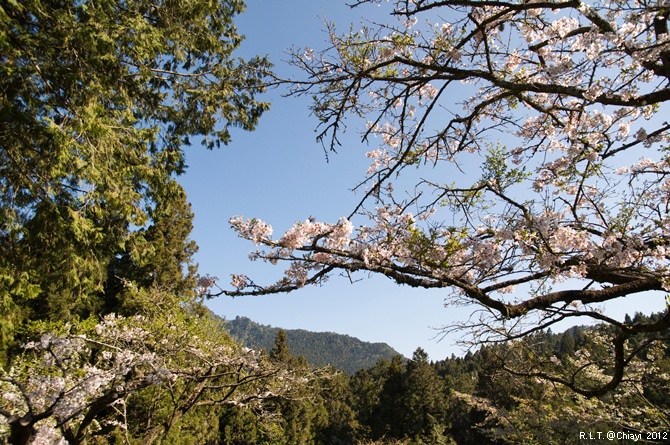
(495, 395)
(319, 348)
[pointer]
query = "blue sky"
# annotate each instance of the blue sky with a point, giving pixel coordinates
(279, 174)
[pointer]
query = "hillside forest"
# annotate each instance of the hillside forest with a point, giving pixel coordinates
(464, 400)
(539, 133)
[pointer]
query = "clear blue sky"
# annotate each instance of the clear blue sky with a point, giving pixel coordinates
(279, 174)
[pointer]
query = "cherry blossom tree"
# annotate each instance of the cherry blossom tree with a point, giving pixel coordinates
(83, 384)
(520, 161)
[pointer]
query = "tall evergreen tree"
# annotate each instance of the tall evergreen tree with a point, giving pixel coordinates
(298, 414)
(366, 386)
(159, 255)
(280, 352)
(424, 400)
(387, 419)
(97, 101)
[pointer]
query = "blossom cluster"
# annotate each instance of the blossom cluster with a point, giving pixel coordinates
(577, 192)
(545, 242)
(63, 382)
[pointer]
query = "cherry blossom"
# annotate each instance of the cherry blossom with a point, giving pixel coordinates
(575, 190)
(62, 385)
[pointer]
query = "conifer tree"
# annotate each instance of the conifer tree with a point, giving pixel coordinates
(280, 352)
(97, 102)
(424, 401)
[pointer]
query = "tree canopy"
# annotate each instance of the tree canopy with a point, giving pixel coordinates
(102, 336)
(97, 102)
(539, 136)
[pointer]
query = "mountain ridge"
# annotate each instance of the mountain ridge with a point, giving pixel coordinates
(342, 351)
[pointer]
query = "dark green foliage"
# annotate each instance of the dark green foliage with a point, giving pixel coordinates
(474, 400)
(318, 348)
(468, 400)
(366, 388)
(320, 413)
(424, 399)
(97, 101)
(339, 422)
(401, 400)
(280, 351)
(388, 412)
(239, 426)
(159, 256)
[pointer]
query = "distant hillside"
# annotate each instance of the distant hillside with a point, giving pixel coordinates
(319, 348)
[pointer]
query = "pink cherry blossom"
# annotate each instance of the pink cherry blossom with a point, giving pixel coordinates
(570, 99)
